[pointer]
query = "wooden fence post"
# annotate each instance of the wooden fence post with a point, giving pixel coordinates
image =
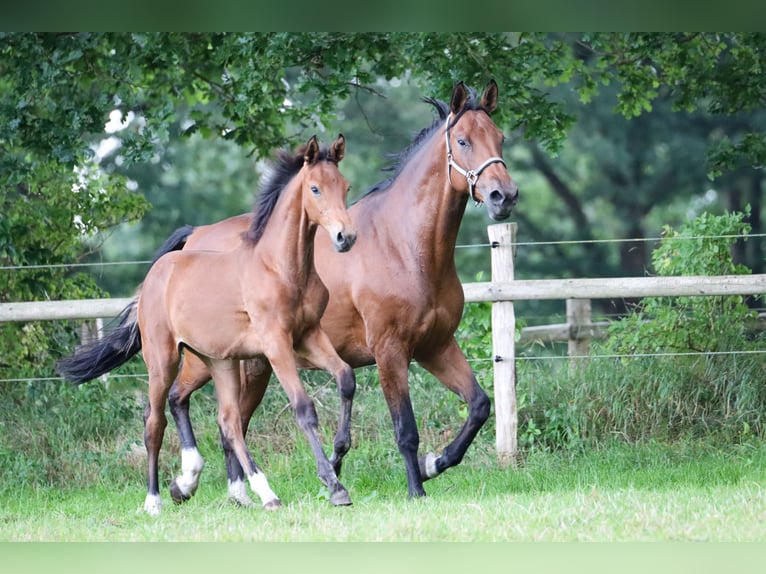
(91, 331)
(580, 327)
(502, 237)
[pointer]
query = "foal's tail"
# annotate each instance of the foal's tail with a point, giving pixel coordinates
(124, 341)
(99, 357)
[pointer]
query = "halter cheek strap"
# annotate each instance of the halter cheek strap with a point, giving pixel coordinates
(471, 175)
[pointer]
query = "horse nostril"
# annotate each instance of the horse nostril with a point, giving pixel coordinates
(340, 238)
(495, 196)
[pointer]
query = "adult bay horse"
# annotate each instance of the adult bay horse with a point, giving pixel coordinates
(397, 295)
(225, 306)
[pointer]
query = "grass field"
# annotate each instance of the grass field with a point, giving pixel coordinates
(73, 469)
(622, 493)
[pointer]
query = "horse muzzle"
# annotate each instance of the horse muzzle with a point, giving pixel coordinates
(343, 240)
(500, 202)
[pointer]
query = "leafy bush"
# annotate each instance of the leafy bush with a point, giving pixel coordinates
(687, 385)
(690, 324)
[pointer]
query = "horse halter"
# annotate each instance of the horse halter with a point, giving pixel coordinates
(471, 175)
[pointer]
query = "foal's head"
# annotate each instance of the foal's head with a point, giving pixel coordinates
(324, 191)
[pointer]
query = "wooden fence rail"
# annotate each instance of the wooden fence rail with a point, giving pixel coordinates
(501, 291)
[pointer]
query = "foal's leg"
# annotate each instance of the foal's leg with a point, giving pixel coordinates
(226, 377)
(451, 368)
(255, 374)
(282, 361)
(318, 350)
(193, 375)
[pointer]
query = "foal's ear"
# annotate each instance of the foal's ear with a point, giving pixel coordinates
(311, 154)
(459, 98)
(338, 149)
(489, 99)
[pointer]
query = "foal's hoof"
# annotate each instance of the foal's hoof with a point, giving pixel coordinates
(340, 498)
(273, 504)
(176, 494)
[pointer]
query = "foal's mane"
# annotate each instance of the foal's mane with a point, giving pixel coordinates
(283, 168)
(399, 160)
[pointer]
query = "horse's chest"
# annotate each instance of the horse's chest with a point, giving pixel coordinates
(430, 312)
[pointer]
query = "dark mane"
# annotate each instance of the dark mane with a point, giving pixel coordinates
(284, 167)
(399, 160)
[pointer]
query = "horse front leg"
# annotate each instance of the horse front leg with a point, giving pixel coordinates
(317, 349)
(282, 361)
(393, 362)
(451, 368)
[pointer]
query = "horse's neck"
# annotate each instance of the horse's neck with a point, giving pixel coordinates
(425, 211)
(287, 243)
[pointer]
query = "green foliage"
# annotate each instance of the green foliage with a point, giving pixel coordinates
(690, 324)
(717, 71)
(618, 393)
(42, 230)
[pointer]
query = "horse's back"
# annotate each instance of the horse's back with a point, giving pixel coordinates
(221, 236)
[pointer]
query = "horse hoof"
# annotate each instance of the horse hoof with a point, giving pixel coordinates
(340, 498)
(177, 495)
(273, 504)
(152, 505)
(244, 502)
(427, 466)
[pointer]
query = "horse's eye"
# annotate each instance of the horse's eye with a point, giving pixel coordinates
(314, 190)
(461, 142)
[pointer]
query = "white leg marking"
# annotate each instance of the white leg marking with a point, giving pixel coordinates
(260, 485)
(431, 465)
(238, 492)
(192, 464)
(153, 504)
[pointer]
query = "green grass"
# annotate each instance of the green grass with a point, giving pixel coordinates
(72, 468)
(644, 492)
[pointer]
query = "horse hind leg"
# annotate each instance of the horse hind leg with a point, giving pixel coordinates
(255, 375)
(160, 378)
(193, 375)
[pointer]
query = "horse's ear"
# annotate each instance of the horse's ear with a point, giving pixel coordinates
(459, 98)
(338, 149)
(311, 154)
(489, 99)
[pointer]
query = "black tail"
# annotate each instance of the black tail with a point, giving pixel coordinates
(120, 344)
(100, 357)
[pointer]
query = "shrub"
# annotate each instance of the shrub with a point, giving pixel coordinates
(689, 384)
